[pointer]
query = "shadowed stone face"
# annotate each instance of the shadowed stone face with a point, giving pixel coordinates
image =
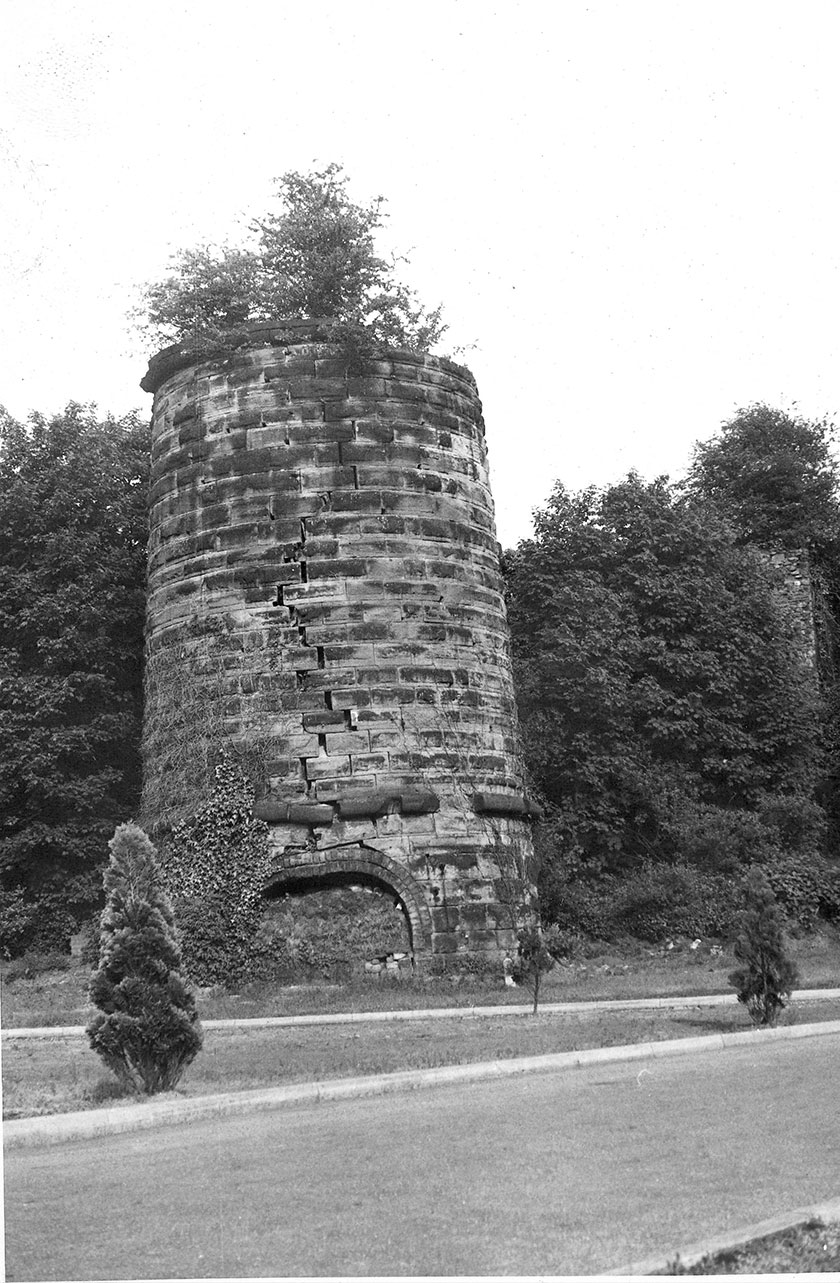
(324, 587)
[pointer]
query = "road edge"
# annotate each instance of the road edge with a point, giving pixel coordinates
(827, 1212)
(672, 1002)
(53, 1129)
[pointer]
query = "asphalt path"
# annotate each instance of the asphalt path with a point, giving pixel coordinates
(563, 1173)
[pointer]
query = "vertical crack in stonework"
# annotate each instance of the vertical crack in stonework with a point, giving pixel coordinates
(341, 578)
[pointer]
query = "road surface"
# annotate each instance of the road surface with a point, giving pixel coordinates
(564, 1173)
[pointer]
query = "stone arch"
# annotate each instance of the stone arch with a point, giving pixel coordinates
(341, 866)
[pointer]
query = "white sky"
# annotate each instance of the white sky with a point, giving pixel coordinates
(631, 208)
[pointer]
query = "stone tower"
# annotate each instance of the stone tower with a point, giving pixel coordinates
(325, 591)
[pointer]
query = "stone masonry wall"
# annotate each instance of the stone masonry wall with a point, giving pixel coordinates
(325, 591)
(798, 593)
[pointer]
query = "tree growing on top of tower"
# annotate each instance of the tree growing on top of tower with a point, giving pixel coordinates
(313, 254)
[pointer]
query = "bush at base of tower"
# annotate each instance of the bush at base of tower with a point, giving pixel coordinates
(147, 1031)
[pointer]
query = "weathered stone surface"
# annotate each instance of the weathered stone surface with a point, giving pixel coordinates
(324, 578)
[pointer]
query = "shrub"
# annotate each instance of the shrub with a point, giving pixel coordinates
(16, 920)
(148, 1029)
(654, 902)
(720, 839)
(660, 901)
(767, 975)
(537, 951)
(806, 888)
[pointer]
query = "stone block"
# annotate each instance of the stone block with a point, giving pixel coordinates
(366, 763)
(347, 742)
(310, 813)
(349, 697)
(500, 803)
(364, 804)
(322, 768)
(271, 811)
(186, 412)
(322, 722)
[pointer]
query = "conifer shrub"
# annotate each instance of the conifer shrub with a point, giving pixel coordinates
(767, 975)
(147, 1030)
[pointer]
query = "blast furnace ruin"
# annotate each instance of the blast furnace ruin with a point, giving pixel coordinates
(325, 590)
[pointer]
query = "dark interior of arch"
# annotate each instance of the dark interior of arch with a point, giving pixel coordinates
(348, 916)
(300, 884)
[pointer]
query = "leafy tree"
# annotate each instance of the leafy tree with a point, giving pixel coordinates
(768, 975)
(537, 951)
(314, 255)
(663, 700)
(773, 476)
(72, 568)
(148, 1030)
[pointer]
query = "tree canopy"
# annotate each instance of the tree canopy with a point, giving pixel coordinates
(666, 708)
(73, 530)
(313, 255)
(773, 476)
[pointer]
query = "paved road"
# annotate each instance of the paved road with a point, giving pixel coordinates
(567, 1173)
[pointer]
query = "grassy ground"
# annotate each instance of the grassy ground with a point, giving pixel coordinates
(54, 1076)
(43, 1076)
(811, 1249)
(59, 997)
(551, 1174)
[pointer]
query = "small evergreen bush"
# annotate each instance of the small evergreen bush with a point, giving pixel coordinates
(147, 1031)
(767, 975)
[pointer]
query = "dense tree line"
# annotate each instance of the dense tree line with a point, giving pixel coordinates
(671, 720)
(73, 498)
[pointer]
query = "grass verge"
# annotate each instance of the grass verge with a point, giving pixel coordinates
(59, 997)
(808, 1249)
(44, 1076)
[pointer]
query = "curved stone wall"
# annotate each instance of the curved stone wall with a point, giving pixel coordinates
(325, 592)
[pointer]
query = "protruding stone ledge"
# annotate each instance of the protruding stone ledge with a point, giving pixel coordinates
(506, 804)
(276, 811)
(362, 806)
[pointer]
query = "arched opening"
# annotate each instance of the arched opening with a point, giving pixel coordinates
(345, 913)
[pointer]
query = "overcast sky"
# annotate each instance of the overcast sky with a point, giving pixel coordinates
(631, 209)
